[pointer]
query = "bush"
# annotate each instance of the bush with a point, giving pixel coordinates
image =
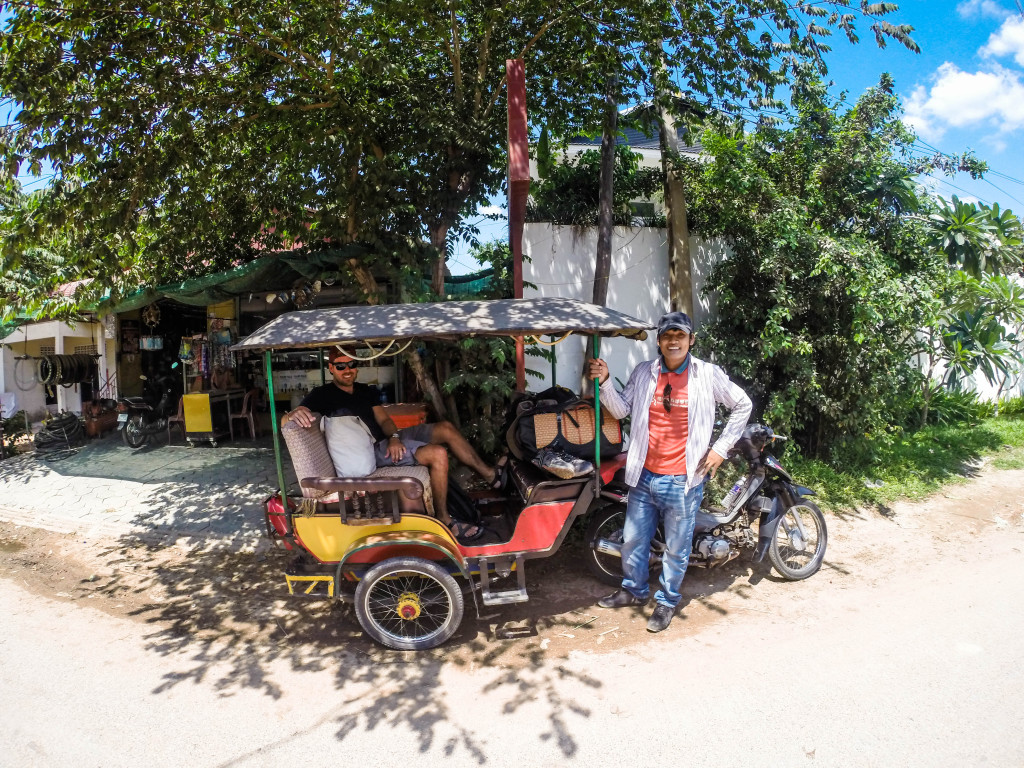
(14, 429)
(957, 406)
(1012, 406)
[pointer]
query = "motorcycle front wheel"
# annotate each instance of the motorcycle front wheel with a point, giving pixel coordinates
(132, 432)
(798, 547)
(603, 545)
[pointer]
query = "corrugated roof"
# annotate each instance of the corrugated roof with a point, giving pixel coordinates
(637, 139)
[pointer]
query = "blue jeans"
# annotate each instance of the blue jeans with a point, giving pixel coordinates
(659, 498)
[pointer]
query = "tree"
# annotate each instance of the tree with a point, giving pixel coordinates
(571, 192)
(185, 138)
(831, 276)
(975, 237)
(28, 284)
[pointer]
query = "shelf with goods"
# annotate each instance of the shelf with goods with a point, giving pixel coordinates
(296, 372)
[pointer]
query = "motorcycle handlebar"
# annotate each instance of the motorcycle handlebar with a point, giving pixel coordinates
(780, 437)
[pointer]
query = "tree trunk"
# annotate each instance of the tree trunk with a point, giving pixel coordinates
(426, 383)
(439, 239)
(423, 378)
(605, 221)
(680, 278)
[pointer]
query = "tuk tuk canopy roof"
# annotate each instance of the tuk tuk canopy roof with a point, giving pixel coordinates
(441, 320)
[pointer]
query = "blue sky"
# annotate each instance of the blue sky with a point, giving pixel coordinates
(964, 90)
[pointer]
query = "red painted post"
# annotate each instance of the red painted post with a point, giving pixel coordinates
(518, 188)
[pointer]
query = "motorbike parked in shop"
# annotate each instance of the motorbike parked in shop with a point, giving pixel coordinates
(139, 418)
(790, 530)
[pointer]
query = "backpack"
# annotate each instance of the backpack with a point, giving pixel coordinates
(461, 506)
(559, 420)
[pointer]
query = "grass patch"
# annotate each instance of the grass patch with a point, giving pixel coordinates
(911, 466)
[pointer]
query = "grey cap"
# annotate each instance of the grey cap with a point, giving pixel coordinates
(679, 321)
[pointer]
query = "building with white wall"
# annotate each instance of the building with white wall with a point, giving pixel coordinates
(23, 348)
(560, 261)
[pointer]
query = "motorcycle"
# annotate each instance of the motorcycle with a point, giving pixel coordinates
(139, 418)
(791, 529)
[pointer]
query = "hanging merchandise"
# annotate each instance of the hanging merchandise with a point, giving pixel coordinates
(151, 315)
(185, 353)
(204, 360)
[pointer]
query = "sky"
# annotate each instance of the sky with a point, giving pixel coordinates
(963, 91)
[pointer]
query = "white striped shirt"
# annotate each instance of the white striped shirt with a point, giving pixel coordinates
(707, 385)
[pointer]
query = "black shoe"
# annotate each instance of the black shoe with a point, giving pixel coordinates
(621, 598)
(661, 618)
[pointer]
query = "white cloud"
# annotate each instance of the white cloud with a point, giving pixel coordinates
(988, 8)
(959, 99)
(493, 210)
(1008, 40)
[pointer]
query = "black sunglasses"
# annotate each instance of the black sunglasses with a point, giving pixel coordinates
(666, 397)
(343, 366)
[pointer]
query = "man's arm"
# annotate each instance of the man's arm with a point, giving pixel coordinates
(395, 448)
(618, 404)
(735, 399)
(303, 415)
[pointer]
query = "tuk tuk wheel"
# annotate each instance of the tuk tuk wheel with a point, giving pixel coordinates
(409, 604)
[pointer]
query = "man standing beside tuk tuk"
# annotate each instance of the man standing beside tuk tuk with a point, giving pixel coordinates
(671, 401)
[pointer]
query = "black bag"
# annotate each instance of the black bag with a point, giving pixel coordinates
(461, 506)
(561, 421)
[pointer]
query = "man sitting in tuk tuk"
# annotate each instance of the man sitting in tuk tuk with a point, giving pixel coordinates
(419, 444)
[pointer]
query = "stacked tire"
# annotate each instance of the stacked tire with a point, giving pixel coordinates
(66, 370)
(63, 432)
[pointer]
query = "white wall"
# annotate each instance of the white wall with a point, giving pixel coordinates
(561, 263)
(29, 340)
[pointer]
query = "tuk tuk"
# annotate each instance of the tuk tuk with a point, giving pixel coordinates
(370, 539)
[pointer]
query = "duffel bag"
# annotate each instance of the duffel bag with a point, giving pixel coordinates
(566, 427)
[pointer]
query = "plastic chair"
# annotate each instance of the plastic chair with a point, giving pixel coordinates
(245, 414)
(178, 420)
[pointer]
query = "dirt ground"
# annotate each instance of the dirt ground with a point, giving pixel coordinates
(188, 594)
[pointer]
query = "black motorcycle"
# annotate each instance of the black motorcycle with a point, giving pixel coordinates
(790, 528)
(139, 418)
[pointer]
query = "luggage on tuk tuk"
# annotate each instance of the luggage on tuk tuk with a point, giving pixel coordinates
(560, 421)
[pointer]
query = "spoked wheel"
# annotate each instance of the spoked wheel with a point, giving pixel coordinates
(132, 433)
(798, 547)
(603, 546)
(409, 604)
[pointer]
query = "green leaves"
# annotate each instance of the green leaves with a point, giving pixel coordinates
(821, 297)
(975, 237)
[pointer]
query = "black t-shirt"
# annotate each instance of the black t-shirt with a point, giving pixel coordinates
(332, 400)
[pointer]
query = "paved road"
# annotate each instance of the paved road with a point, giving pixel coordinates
(904, 651)
(106, 488)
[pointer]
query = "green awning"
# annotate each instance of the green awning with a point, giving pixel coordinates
(276, 271)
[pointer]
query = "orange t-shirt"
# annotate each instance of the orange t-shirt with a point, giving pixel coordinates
(666, 449)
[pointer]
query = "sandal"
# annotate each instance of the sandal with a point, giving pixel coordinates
(500, 474)
(466, 532)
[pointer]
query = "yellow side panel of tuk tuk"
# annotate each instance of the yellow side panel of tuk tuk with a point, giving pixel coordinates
(328, 539)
